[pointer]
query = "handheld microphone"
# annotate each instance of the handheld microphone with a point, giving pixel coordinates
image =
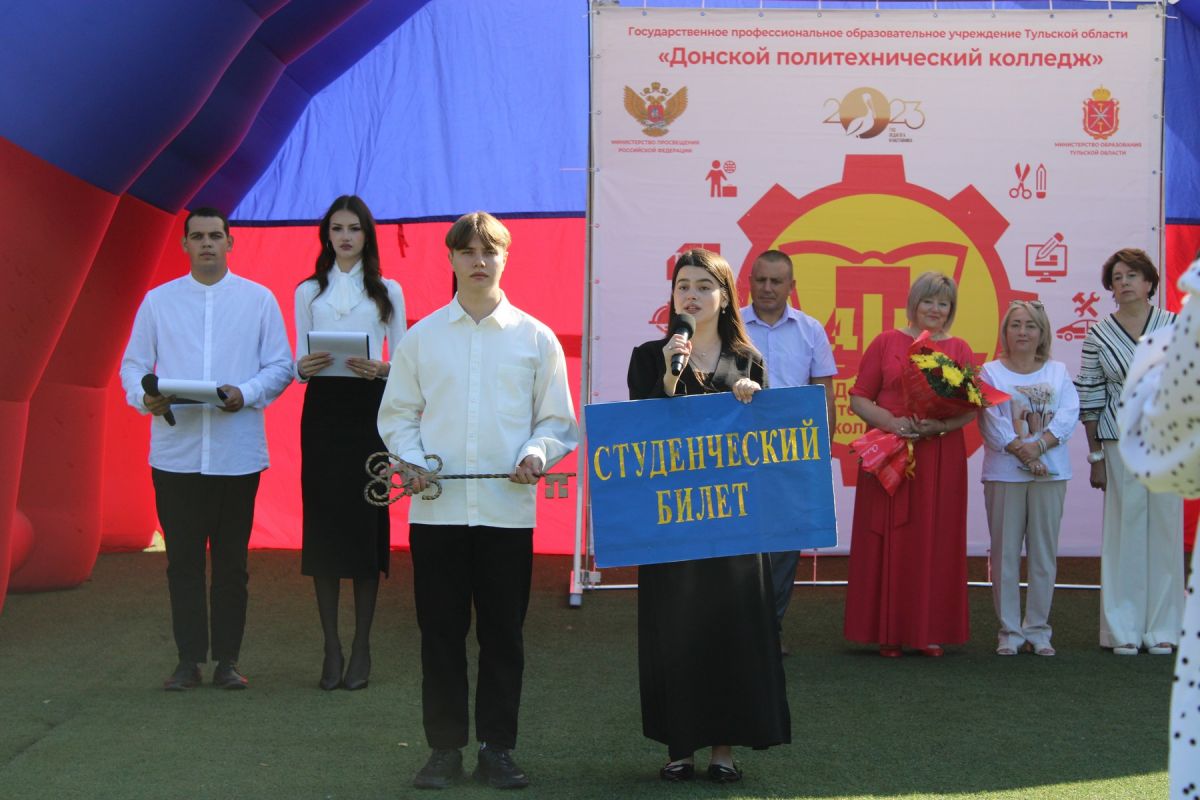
(150, 387)
(685, 326)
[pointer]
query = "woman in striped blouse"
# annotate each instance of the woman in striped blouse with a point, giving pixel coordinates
(1141, 558)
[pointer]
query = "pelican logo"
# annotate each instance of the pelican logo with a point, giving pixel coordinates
(864, 112)
(856, 247)
(656, 107)
(1101, 114)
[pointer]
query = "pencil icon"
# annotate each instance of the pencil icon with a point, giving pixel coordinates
(1048, 248)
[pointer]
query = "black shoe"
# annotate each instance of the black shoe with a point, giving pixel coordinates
(358, 672)
(719, 773)
(331, 671)
(440, 771)
(227, 676)
(497, 769)
(682, 771)
(186, 676)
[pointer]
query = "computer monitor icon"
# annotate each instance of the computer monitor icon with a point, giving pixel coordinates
(1046, 261)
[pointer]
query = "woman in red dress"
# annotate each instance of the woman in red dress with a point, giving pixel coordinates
(908, 555)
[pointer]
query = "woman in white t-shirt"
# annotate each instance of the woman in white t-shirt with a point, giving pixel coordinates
(1025, 473)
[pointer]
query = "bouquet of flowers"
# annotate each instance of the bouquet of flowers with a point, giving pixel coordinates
(938, 387)
(935, 386)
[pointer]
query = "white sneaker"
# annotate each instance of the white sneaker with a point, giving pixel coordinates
(1125, 650)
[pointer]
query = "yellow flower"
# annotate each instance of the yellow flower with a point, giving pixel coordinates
(973, 395)
(953, 375)
(925, 361)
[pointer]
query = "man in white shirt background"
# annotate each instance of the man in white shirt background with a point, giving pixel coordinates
(484, 386)
(209, 325)
(797, 353)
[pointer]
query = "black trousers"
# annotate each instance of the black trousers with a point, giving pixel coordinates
(455, 567)
(199, 512)
(783, 580)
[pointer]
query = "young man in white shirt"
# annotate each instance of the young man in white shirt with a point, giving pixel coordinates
(797, 353)
(209, 325)
(483, 385)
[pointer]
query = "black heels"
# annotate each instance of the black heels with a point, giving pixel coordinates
(331, 671)
(358, 672)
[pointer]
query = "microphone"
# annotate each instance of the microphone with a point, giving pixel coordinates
(685, 326)
(150, 387)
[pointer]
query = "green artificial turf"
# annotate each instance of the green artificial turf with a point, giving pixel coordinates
(81, 714)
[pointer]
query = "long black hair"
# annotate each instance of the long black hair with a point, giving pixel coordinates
(372, 277)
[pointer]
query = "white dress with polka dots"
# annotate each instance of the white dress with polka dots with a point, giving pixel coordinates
(1160, 442)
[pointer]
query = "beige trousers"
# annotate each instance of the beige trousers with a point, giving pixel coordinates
(1023, 514)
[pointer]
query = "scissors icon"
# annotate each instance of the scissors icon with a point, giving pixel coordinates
(1019, 190)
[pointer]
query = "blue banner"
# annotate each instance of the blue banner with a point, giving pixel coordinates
(698, 477)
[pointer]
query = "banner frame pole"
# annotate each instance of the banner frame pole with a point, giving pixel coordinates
(581, 567)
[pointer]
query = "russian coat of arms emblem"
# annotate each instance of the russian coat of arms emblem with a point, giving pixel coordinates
(655, 107)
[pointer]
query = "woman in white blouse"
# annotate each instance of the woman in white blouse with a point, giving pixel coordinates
(1025, 473)
(344, 536)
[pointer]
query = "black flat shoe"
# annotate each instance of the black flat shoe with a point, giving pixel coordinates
(227, 676)
(358, 672)
(331, 671)
(719, 773)
(443, 768)
(186, 676)
(682, 771)
(497, 769)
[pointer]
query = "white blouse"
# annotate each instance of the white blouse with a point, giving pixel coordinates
(1042, 400)
(345, 306)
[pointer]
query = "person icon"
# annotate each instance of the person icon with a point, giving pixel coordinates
(715, 176)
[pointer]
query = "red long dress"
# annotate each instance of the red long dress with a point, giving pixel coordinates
(908, 554)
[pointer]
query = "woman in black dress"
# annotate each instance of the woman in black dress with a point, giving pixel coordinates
(708, 649)
(344, 536)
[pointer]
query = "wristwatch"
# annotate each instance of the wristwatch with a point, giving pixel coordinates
(1095, 457)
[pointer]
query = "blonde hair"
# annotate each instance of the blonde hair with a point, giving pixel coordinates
(932, 284)
(1037, 313)
(490, 231)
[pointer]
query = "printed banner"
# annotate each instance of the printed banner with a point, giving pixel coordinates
(1014, 151)
(699, 477)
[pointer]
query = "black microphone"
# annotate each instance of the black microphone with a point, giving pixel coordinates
(685, 326)
(150, 387)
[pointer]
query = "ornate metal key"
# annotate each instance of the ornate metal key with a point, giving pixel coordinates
(383, 489)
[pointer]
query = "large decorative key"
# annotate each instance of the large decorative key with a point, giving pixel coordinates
(392, 479)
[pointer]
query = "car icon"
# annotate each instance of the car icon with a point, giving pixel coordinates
(1076, 330)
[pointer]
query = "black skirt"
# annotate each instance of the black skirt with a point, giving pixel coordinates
(344, 535)
(708, 655)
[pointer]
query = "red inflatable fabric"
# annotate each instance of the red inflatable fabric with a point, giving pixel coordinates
(53, 223)
(65, 434)
(544, 276)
